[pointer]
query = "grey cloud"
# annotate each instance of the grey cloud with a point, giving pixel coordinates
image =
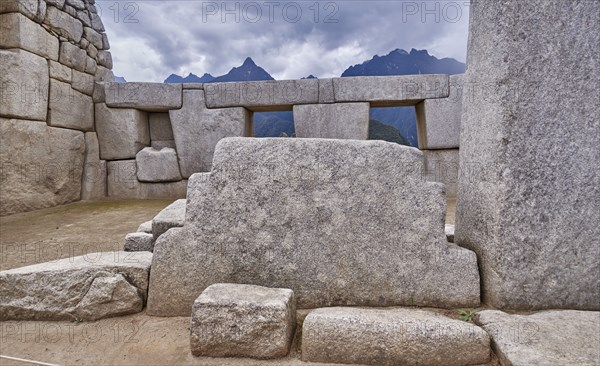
(187, 36)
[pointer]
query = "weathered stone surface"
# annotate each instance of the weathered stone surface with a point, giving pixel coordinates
(57, 3)
(59, 71)
(442, 166)
(198, 129)
(529, 187)
(91, 67)
(18, 31)
(386, 91)
(391, 337)
(104, 74)
(139, 242)
(41, 165)
(560, 337)
(122, 133)
(449, 229)
(230, 320)
(105, 43)
(77, 4)
(84, 17)
(83, 82)
(105, 59)
(123, 184)
(94, 37)
(96, 22)
(154, 165)
(262, 95)
(438, 120)
(195, 86)
(332, 121)
(72, 56)
(326, 94)
(160, 127)
(152, 97)
(170, 217)
(145, 227)
(29, 8)
(64, 24)
(98, 94)
(24, 85)
(92, 51)
(93, 186)
(326, 218)
(159, 144)
(89, 287)
(69, 108)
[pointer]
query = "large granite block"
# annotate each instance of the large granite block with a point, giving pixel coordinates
(529, 188)
(69, 108)
(122, 183)
(197, 130)
(332, 121)
(88, 287)
(340, 222)
(152, 97)
(18, 31)
(64, 24)
(230, 320)
(157, 165)
(23, 85)
(262, 96)
(72, 56)
(558, 337)
(29, 8)
(41, 166)
(392, 337)
(93, 185)
(122, 133)
(160, 127)
(390, 91)
(438, 120)
(442, 166)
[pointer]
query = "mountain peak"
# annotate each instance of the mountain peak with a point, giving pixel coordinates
(249, 62)
(419, 52)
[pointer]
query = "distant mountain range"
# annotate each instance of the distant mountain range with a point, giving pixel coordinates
(397, 62)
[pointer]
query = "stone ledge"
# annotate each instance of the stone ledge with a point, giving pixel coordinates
(151, 97)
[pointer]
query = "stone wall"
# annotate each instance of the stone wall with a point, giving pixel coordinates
(529, 187)
(52, 53)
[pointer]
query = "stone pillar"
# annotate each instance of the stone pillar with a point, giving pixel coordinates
(529, 187)
(332, 121)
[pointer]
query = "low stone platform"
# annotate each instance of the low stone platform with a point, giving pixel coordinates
(230, 320)
(557, 337)
(170, 217)
(88, 287)
(392, 337)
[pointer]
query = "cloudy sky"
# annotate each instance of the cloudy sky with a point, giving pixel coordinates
(289, 39)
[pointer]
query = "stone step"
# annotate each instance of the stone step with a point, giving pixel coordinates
(88, 287)
(557, 337)
(230, 320)
(170, 217)
(391, 337)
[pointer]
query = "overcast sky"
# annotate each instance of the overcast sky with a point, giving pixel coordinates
(289, 39)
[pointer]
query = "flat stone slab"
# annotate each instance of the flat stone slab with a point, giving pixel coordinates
(340, 222)
(332, 121)
(390, 91)
(139, 242)
(392, 337)
(260, 96)
(557, 337)
(145, 227)
(230, 320)
(170, 217)
(157, 165)
(88, 287)
(151, 97)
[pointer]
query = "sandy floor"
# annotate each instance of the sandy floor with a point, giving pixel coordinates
(74, 229)
(137, 339)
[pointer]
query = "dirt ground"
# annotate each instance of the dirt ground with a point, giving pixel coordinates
(137, 339)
